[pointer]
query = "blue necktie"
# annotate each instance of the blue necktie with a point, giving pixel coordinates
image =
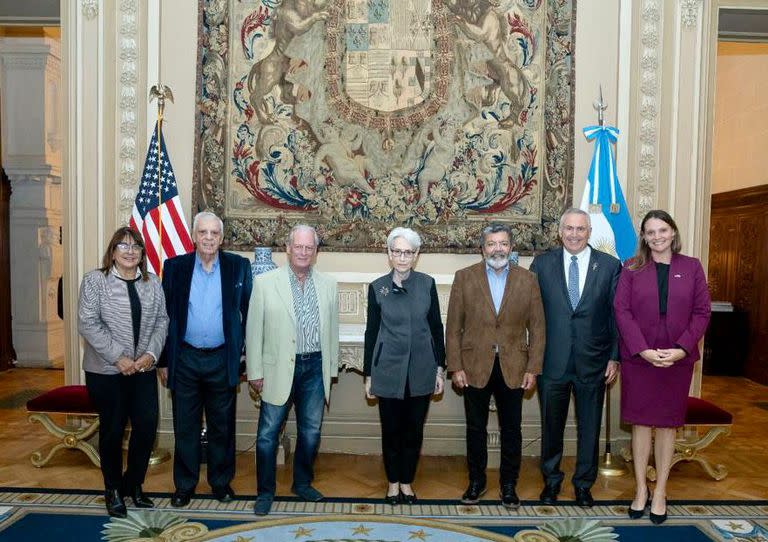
(573, 282)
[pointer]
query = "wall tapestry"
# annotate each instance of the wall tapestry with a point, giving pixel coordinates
(360, 115)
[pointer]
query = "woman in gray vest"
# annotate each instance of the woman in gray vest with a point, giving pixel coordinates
(404, 361)
(122, 318)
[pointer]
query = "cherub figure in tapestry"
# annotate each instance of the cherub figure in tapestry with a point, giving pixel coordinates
(290, 19)
(480, 21)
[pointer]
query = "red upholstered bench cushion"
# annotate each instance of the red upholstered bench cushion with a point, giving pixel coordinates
(70, 399)
(702, 412)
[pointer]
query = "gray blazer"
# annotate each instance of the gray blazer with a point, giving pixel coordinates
(404, 339)
(104, 320)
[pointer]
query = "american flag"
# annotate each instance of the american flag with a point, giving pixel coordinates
(147, 210)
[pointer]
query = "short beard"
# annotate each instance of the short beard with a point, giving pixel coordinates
(497, 261)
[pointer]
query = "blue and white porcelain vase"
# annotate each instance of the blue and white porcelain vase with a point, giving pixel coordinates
(262, 261)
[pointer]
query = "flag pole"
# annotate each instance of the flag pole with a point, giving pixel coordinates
(161, 93)
(610, 465)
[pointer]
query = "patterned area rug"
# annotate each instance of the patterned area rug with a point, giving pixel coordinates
(31, 515)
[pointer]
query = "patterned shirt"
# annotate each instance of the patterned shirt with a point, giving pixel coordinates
(307, 312)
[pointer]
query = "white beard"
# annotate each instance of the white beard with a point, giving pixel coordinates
(497, 262)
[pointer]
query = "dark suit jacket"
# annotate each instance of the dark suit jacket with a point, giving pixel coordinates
(473, 326)
(587, 333)
(236, 284)
(688, 307)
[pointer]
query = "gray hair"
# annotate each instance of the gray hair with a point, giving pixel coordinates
(495, 227)
(302, 227)
(575, 211)
(410, 236)
(204, 215)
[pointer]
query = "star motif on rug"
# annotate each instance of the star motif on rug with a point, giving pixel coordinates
(243, 539)
(362, 529)
(302, 531)
(733, 526)
(420, 534)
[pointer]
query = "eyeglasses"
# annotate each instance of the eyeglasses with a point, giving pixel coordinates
(407, 254)
(125, 247)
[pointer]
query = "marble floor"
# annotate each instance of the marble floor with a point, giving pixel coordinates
(744, 452)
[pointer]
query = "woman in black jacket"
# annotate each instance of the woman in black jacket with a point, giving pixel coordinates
(404, 363)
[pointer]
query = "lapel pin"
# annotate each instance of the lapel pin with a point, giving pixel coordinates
(384, 290)
(678, 276)
(594, 266)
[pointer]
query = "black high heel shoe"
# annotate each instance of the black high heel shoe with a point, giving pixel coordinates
(658, 519)
(637, 514)
(392, 500)
(406, 498)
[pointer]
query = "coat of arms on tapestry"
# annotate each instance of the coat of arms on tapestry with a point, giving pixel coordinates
(360, 115)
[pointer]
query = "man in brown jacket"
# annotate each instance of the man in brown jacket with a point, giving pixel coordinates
(495, 339)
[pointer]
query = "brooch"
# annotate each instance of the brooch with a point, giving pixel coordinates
(678, 276)
(384, 290)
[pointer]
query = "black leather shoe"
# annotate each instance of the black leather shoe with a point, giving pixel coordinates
(405, 498)
(549, 494)
(637, 514)
(508, 497)
(392, 499)
(224, 494)
(140, 500)
(658, 519)
(181, 499)
(584, 497)
(473, 493)
(115, 503)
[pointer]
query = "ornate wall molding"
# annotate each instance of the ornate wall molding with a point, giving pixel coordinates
(128, 107)
(650, 102)
(689, 13)
(90, 9)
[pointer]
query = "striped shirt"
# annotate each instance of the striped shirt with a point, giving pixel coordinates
(307, 312)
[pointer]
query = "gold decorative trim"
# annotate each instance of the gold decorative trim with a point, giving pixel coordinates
(650, 83)
(128, 106)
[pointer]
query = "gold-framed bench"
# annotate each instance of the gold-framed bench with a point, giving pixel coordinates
(700, 414)
(75, 405)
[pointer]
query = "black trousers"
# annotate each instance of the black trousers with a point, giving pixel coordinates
(402, 432)
(118, 399)
(554, 400)
(201, 386)
(509, 407)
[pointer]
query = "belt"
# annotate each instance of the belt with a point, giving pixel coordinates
(203, 350)
(308, 355)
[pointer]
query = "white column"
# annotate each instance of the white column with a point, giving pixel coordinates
(31, 111)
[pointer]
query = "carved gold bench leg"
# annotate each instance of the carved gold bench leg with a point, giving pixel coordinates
(71, 438)
(688, 450)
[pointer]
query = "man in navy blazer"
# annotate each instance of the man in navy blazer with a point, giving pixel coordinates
(577, 285)
(206, 295)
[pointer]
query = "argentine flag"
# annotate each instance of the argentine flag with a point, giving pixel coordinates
(612, 229)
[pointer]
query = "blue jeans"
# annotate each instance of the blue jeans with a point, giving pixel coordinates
(308, 395)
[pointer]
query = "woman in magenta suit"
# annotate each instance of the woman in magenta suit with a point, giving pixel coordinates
(662, 310)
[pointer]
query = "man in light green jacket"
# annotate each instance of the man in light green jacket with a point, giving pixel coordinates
(292, 352)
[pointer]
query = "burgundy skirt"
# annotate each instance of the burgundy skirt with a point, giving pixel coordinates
(655, 396)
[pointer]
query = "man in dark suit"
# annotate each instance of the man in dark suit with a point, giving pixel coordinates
(494, 345)
(206, 295)
(577, 285)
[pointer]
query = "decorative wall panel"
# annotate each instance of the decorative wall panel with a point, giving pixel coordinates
(359, 115)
